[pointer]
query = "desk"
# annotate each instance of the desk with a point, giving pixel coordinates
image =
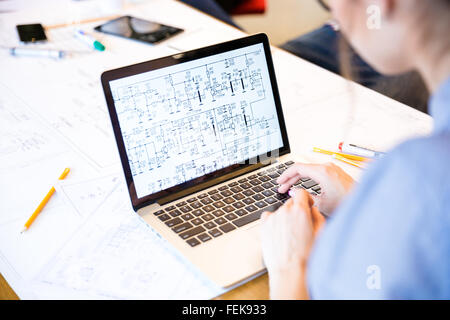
(320, 108)
(257, 289)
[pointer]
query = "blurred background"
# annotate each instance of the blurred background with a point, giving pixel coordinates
(284, 19)
(281, 20)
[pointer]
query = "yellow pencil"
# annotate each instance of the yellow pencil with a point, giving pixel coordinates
(44, 202)
(62, 25)
(350, 162)
(347, 156)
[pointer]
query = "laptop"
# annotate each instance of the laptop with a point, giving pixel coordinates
(202, 140)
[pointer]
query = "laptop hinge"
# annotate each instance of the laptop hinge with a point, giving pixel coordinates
(205, 185)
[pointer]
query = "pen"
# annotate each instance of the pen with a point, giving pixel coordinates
(43, 202)
(34, 52)
(89, 40)
(360, 151)
(348, 156)
(350, 162)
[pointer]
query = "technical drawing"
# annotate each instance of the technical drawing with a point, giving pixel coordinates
(115, 254)
(188, 123)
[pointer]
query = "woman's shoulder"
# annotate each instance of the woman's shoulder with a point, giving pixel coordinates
(436, 143)
(424, 159)
(418, 170)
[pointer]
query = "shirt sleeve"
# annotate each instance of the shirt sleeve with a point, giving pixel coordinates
(390, 238)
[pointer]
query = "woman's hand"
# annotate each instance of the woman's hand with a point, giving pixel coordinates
(287, 236)
(334, 182)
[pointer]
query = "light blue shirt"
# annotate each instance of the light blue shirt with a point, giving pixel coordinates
(391, 238)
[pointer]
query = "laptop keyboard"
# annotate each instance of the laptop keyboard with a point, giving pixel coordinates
(211, 214)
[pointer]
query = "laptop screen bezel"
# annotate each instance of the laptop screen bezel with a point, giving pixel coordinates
(151, 65)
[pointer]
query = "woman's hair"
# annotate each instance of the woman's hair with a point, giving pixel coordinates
(345, 59)
(430, 17)
(433, 18)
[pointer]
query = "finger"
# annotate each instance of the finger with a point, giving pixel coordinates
(289, 173)
(302, 198)
(316, 199)
(293, 192)
(288, 204)
(303, 170)
(318, 219)
(265, 215)
(310, 199)
(288, 184)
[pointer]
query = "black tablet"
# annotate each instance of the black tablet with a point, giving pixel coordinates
(138, 29)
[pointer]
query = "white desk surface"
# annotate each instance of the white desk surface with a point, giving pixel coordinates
(53, 115)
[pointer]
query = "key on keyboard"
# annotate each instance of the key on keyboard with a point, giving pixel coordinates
(255, 215)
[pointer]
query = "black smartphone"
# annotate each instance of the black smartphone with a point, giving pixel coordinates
(31, 32)
(138, 29)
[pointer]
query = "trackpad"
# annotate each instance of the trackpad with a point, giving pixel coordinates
(255, 237)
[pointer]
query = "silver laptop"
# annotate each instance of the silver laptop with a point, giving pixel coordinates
(202, 140)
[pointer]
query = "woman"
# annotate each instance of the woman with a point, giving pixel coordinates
(388, 237)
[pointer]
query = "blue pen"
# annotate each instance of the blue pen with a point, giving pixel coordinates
(89, 40)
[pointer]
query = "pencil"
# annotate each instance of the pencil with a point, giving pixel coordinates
(347, 156)
(62, 25)
(43, 202)
(350, 162)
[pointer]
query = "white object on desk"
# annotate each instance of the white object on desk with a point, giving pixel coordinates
(36, 52)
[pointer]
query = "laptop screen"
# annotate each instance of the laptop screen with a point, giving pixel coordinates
(190, 119)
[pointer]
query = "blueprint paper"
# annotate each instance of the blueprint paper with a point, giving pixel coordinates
(116, 255)
(86, 196)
